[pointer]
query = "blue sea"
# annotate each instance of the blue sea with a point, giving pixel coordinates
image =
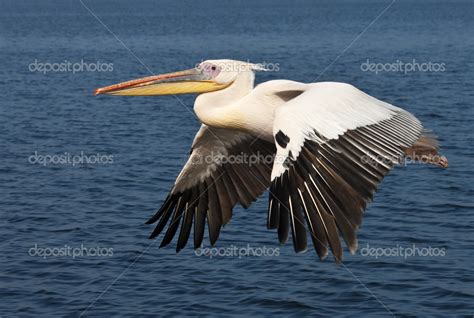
(81, 174)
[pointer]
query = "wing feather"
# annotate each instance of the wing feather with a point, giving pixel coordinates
(334, 146)
(210, 185)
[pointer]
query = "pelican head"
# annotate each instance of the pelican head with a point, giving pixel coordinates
(208, 76)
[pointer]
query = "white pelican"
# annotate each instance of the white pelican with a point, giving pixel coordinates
(329, 145)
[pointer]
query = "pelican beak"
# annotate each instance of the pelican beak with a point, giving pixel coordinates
(192, 81)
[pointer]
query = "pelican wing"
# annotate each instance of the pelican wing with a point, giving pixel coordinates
(221, 170)
(334, 146)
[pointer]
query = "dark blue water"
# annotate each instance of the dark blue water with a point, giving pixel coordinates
(101, 207)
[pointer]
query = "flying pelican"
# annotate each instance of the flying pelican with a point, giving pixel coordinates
(322, 150)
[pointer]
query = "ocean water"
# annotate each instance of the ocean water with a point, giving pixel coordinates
(72, 235)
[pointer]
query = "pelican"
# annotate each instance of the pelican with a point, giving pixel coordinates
(320, 148)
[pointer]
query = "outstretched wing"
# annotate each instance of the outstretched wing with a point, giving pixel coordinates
(224, 167)
(334, 146)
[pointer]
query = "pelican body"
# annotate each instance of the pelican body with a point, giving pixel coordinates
(321, 149)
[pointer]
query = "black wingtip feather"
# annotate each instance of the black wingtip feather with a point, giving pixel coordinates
(273, 218)
(163, 220)
(160, 212)
(189, 212)
(173, 227)
(200, 220)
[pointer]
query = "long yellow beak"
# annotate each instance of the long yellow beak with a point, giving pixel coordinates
(191, 81)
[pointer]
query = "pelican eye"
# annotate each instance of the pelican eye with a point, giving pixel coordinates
(211, 70)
